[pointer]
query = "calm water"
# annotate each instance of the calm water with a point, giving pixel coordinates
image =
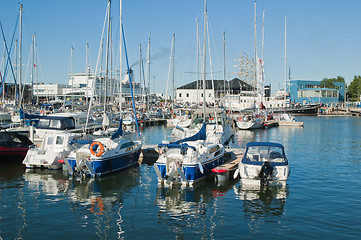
(321, 201)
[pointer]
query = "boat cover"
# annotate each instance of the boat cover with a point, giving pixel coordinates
(119, 131)
(201, 135)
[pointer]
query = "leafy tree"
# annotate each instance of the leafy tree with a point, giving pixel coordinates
(330, 82)
(354, 89)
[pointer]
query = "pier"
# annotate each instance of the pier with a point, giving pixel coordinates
(152, 122)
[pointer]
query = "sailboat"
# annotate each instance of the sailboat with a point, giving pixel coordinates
(252, 120)
(191, 159)
(106, 155)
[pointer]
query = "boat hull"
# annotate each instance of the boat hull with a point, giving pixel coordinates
(192, 172)
(108, 165)
(10, 152)
(249, 173)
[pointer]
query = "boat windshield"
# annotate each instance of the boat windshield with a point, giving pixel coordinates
(265, 153)
(61, 124)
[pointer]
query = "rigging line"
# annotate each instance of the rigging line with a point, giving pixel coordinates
(96, 71)
(211, 67)
(130, 81)
(8, 58)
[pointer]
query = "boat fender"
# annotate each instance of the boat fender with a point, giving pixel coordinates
(98, 204)
(265, 173)
(99, 144)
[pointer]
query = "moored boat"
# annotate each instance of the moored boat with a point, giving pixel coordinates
(54, 149)
(264, 163)
(249, 122)
(13, 145)
(189, 160)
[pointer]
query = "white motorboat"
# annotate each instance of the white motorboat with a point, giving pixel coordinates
(54, 149)
(264, 163)
(286, 119)
(189, 160)
(72, 122)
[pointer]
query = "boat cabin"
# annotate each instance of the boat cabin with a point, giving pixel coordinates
(259, 152)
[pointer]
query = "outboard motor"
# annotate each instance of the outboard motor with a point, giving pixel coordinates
(265, 173)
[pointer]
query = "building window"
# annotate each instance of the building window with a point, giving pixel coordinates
(210, 95)
(187, 95)
(201, 94)
(180, 95)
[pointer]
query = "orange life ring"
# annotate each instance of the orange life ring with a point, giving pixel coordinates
(240, 119)
(98, 203)
(101, 149)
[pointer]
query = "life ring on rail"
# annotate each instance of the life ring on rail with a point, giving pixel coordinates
(239, 119)
(98, 154)
(98, 204)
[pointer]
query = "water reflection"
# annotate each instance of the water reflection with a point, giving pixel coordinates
(96, 204)
(48, 182)
(261, 204)
(10, 170)
(192, 209)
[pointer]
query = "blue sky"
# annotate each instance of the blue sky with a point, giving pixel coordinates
(323, 36)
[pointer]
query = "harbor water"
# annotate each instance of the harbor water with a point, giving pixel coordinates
(322, 198)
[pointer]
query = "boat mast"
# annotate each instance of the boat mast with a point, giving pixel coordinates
(87, 71)
(2, 80)
(35, 70)
(32, 66)
(20, 53)
(120, 58)
(173, 47)
(224, 64)
(255, 52)
(198, 50)
(72, 78)
(204, 60)
(107, 60)
(285, 60)
(148, 60)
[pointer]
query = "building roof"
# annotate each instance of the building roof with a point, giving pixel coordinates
(219, 85)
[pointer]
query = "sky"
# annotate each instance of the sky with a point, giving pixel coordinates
(323, 37)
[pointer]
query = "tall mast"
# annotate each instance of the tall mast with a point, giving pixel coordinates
(148, 60)
(255, 52)
(204, 60)
(36, 72)
(120, 58)
(32, 66)
(20, 52)
(87, 71)
(173, 47)
(224, 63)
(285, 60)
(140, 71)
(2, 80)
(72, 77)
(107, 59)
(198, 50)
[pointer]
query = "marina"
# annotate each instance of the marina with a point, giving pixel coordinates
(122, 149)
(322, 191)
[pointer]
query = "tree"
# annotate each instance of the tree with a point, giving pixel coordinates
(330, 82)
(354, 89)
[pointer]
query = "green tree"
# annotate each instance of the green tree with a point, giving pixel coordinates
(354, 89)
(330, 82)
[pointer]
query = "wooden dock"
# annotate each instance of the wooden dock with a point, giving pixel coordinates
(270, 124)
(225, 171)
